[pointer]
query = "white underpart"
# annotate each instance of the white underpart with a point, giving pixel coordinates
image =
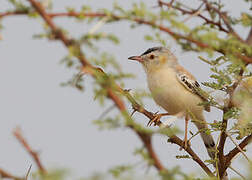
(170, 120)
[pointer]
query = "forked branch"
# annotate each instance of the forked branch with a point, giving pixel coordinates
(111, 94)
(91, 70)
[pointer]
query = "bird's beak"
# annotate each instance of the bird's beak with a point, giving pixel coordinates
(136, 58)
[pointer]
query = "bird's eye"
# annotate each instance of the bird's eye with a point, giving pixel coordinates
(152, 56)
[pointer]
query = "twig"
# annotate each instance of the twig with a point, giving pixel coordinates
(175, 35)
(179, 142)
(198, 132)
(197, 13)
(5, 174)
(237, 172)
(225, 19)
(173, 139)
(17, 133)
(146, 138)
(207, 20)
(88, 68)
(98, 25)
(230, 137)
(235, 151)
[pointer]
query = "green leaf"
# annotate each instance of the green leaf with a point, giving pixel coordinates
(119, 170)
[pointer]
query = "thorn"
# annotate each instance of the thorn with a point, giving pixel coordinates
(133, 112)
(28, 172)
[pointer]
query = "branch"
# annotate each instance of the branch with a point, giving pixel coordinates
(173, 34)
(195, 157)
(173, 139)
(237, 172)
(225, 161)
(87, 67)
(222, 165)
(93, 70)
(146, 139)
(236, 150)
(17, 133)
(224, 17)
(235, 143)
(194, 12)
(223, 136)
(5, 174)
(119, 103)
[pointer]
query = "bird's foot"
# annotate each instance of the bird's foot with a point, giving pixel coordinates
(185, 144)
(156, 119)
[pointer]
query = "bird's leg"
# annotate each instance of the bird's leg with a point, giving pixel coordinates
(157, 118)
(186, 128)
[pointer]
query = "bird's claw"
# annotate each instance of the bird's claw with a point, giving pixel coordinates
(155, 120)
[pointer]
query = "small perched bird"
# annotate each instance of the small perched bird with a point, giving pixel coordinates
(175, 90)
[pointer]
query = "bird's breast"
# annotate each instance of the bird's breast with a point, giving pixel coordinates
(169, 93)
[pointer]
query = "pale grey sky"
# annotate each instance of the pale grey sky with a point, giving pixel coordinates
(57, 121)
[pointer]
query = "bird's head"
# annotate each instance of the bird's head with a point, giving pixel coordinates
(155, 58)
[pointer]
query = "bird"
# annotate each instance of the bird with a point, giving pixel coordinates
(176, 91)
(242, 99)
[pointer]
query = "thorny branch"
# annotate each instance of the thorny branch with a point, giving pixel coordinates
(147, 140)
(191, 12)
(88, 67)
(223, 163)
(119, 103)
(68, 42)
(224, 17)
(17, 133)
(236, 150)
(161, 27)
(224, 160)
(173, 139)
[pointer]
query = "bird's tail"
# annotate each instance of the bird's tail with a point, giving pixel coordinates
(208, 140)
(205, 135)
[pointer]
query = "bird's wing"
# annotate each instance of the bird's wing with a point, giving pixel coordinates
(190, 83)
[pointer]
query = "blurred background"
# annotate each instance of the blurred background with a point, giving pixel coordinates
(58, 121)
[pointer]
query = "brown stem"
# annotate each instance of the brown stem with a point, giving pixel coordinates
(195, 157)
(17, 133)
(111, 94)
(224, 17)
(184, 11)
(146, 138)
(236, 150)
(174, 139)
(5, 174)
(222, 160)
(89, 68)
(223, 164)
(175, 35)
